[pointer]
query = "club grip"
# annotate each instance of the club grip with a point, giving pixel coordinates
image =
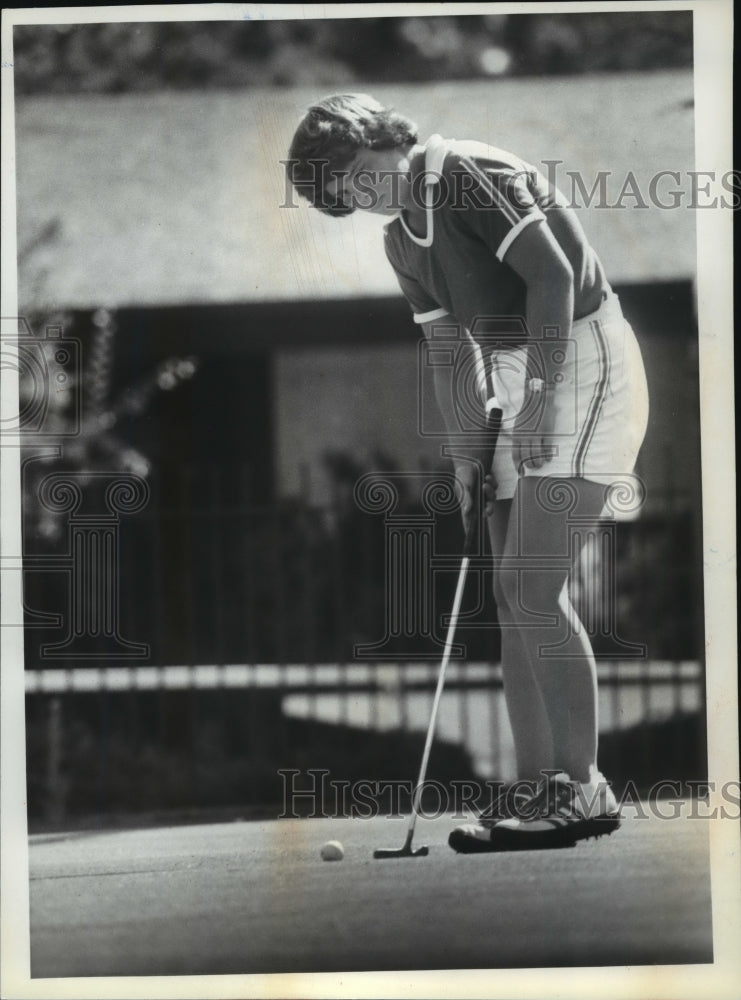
(471, 542)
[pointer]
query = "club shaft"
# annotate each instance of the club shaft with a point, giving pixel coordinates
(438, 695)
(471, 545)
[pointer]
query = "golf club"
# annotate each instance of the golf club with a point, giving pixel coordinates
(494, 419)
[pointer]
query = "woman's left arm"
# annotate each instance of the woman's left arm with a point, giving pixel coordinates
(538, 259)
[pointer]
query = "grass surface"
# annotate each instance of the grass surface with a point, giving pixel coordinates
(256, 898)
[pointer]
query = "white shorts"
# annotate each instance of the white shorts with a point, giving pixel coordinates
(601, 402)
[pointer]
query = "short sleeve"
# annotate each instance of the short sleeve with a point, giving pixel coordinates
(424, 308)
(496, 203)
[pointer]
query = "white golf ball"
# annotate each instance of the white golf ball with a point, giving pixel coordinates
(332, 851)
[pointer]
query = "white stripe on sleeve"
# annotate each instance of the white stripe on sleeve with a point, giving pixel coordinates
(512, 235)
(429, 316)
(497, 196)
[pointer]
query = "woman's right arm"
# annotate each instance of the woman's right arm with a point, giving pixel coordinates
(453, 396)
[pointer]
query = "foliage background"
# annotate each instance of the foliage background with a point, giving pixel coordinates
(121, 58)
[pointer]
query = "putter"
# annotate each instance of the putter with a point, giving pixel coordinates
(493, 423)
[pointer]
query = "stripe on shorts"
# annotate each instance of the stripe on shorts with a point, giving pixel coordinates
(596, 402)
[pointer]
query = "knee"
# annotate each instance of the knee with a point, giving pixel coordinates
(519, 591)
(541, 591)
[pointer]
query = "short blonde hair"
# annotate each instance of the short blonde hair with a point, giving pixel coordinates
(329, 137)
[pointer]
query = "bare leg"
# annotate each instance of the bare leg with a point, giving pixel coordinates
(533, 579)
(569, 685)
(528, 715)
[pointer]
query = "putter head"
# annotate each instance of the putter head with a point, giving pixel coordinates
(401, 852)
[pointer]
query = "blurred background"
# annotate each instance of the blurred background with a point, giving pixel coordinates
(250, 361)
(123, 58)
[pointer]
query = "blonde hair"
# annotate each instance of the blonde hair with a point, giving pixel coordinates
(329, 137)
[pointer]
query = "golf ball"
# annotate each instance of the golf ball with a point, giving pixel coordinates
(332, 851)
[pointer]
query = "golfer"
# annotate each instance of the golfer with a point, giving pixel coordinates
(481, 242)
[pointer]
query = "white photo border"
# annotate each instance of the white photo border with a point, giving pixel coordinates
(713, 50)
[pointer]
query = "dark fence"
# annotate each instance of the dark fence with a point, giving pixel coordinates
(205, 576)
(144, 742)
(279, 637)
